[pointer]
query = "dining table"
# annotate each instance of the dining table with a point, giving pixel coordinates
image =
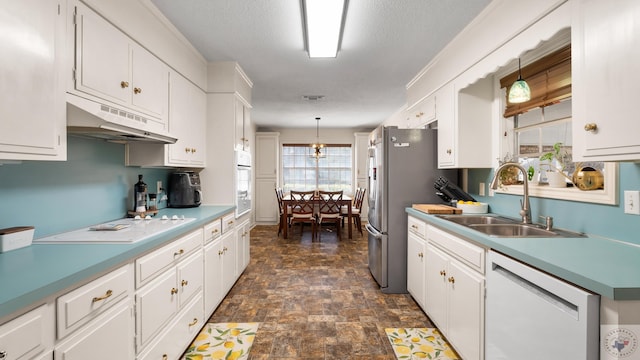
(287, 201)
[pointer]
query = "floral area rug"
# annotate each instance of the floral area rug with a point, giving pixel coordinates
(420, 343)
(223, 341)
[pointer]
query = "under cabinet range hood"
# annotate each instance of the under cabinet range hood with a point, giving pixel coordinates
(93, 119)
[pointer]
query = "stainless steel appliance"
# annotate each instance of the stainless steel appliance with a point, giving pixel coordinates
(184, 189)
(532, 315)
(243, 182)
(402, 170)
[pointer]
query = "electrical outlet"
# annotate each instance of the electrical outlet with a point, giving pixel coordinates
(159, 188)
(481, 189)
(632, 202)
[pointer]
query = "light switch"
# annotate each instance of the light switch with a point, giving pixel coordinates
(632, 202)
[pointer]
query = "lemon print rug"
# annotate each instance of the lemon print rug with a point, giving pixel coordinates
(420, 343)
(223, 341)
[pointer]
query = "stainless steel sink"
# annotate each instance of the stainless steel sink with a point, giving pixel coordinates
(498, 226)
(477, 219)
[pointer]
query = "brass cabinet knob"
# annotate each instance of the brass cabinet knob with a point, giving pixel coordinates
(443, 273)
(449, 151)
(174, 291)
(451, 280)
(100, 298)
(220, 252)
(591, 127)
(419, 114)
(225, 249)
(420, 255)
(165, 357)
(184, 283)
(186, 150)
(137, 90)
(124, 84)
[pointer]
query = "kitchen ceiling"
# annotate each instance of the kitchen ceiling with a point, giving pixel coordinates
(385, 44)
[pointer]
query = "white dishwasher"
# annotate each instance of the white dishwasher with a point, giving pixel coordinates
(532, 315)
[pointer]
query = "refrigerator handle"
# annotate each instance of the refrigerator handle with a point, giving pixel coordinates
(371, 230)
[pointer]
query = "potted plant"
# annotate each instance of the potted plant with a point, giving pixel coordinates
(555, 172)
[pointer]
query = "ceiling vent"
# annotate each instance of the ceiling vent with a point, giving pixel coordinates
(313, 97)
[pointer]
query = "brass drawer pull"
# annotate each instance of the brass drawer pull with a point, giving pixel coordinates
(137, 90)
(451, 280)
(174, 291)
(195, 321)
(443, 273)
(179, 252)
(124, 84)
(591, 127)
(100, 298)
(184, 283)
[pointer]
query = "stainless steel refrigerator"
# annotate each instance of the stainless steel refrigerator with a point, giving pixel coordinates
(403, 168)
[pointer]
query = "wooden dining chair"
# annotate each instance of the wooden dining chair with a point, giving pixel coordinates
(356, 209)
(303, 210)
(282, 222)
(329, 209)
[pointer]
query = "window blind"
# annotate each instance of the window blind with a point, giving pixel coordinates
(549, 79)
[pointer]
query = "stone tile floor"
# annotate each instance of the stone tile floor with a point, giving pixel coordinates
(315, 300)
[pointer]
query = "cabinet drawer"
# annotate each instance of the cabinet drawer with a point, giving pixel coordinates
(469, 254)
(27, 335)
(417, 227)
(84, 303)
(190, 277)
(151, 265)
(212, 230)
(179, 334)
(228, 222)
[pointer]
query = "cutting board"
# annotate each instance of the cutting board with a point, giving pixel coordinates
(437, 209)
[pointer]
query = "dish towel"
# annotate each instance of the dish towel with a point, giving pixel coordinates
(420, 343)
(223, 341)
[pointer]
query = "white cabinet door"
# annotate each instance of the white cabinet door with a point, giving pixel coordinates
(422, 113)
(266, 202)
(436, 286)
(229, 248)
(243, 253)
(110, 338)
(32, 105)
(466, 311)
(187, 123)
(156, 305)
(446, 126)
(213, 276)
(267, 155)
(242, 122)
(190, 277)
(416, 268)
(150, 82)
(604, 62)
(102, 58)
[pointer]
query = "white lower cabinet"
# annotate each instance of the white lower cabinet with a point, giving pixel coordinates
(229, 260)
(213, 279)
(416, 271)
(28, 335)
(243, 253)
(454, 288)
(110, 337)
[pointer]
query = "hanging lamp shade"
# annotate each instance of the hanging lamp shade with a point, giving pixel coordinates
(519, 92)
(317, 146)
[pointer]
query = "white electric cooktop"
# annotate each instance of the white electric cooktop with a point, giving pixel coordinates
(119, 231)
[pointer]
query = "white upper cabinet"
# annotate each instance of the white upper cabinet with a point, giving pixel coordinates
(32, 105)
(112, 67)
(605, 59)
(187, 122)
(464, 125)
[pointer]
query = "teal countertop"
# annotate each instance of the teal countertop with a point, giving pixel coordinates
(604, 266)
(32, 274)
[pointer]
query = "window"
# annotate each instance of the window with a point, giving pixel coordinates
(533, 128)
(302, 171)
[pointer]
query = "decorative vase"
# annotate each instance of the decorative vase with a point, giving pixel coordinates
(556, 179)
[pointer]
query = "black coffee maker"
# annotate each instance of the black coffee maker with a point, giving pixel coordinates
(184, 189)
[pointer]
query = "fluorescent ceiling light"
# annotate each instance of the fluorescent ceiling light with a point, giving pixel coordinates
(323, 20)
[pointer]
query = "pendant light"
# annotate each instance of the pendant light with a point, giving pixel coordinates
(317, 146)
(519, 91)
